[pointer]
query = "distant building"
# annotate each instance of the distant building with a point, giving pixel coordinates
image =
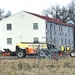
(29, 27)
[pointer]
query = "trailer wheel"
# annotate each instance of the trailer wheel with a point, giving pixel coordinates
(72, 54)
(20, 54)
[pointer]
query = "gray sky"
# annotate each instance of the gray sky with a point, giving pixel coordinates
(35, 6)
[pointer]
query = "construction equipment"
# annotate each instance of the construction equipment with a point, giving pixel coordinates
(72, 53)
(23, 49)
(6, 52)
(27, 48)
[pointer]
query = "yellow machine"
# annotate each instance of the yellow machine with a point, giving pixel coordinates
(24, 45)
(28, 48)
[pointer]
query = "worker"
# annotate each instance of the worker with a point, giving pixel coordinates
(68, 48)
(62, 48)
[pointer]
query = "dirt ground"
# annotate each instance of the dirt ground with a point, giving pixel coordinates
(29, 66)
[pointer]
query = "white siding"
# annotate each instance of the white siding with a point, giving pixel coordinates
(22, 29)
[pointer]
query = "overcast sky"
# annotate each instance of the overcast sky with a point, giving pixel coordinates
(35, 6)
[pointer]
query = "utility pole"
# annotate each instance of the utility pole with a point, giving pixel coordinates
(39, 60)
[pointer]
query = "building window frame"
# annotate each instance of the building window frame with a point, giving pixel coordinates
(9, 26)
(68, 30)
(69, 41)
(9, 40)
(61, 41)
(65, 41)
(35, 39)
(35, 26)
(54, 27)
(54, 40)
(59, 28)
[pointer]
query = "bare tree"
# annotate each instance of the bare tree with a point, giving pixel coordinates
(3, 15)
(65, 13)
(57, 12)
(53, 11)
(7, 14)
(71, 11)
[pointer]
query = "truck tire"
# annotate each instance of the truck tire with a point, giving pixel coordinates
(21, 54)
(72, 53)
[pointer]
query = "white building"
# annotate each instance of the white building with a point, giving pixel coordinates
(29, 27)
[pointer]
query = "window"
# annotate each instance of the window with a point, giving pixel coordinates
(9, 26)
(69, 41)
(61, 41)
(54, 27)
(9, 40)
(59, 29)
(51, 28)
(35, 26)
(36, 40)
(65, 41)
(68, 30)
(54, 41)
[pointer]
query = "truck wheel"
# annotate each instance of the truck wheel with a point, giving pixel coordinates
(72, 54)
(20, 54)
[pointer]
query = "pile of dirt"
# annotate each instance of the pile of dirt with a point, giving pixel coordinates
(29, 66)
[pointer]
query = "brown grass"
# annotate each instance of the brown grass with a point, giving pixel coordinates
(27, 66)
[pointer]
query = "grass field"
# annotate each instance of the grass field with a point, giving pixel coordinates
(27, 66)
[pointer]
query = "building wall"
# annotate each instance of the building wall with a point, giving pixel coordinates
(22, 30)
(59, 35)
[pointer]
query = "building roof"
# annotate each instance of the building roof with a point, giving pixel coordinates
(50, 19)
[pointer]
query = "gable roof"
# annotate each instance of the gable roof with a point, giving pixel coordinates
(50, 19)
